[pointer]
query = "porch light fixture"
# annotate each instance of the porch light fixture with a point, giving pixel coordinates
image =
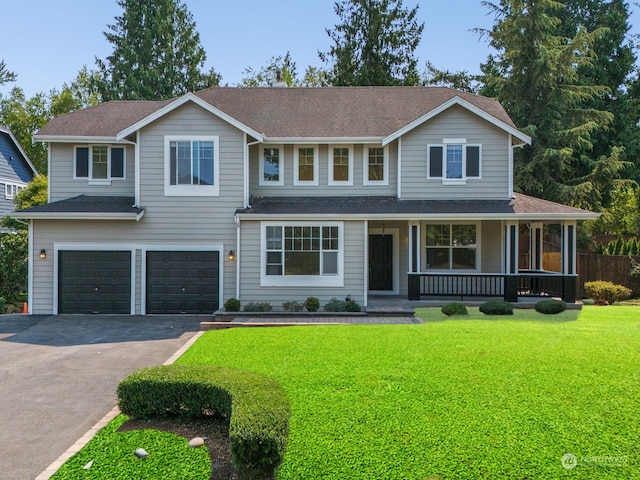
(231, 256)
(43, 254)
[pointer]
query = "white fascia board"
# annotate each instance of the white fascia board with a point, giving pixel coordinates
(323, 140)
(189, 97)
(22, 152)
(76, 139)
(464, 104)
(417, 216)
(77, 216)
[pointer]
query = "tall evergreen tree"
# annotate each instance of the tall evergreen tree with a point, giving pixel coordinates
(156, 53)
(374, 44)
(6, 76)
(535, 75)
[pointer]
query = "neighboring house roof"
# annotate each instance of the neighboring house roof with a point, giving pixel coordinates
(520, 207)
(10, 148)
(374, 113)
(84, 207)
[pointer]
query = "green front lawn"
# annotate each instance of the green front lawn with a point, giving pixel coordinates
(465, 397)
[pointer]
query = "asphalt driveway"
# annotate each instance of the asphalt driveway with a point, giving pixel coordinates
(59, 374)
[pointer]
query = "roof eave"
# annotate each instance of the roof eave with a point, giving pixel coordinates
(76, 139)
(323, 140)
(133, 216)
(422, 216)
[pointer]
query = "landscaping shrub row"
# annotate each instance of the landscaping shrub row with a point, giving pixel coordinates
(499, 307)
(257, 406)
(311, 304)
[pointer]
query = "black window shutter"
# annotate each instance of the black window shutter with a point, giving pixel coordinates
(82, 162)
(473, 161)
(117, 162)
(435, 162)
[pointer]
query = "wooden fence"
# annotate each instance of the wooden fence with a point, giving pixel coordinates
(614, 268)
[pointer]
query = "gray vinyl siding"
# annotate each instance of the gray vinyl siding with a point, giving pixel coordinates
(455, 122)
(491, 246)
(13, 170)
(62, 185)
(323, 188)
(251, 291)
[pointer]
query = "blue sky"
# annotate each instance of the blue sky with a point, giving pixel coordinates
(46, 42)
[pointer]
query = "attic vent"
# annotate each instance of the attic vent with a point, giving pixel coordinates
(278, 82)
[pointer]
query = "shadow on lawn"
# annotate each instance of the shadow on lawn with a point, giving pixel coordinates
(529, 316)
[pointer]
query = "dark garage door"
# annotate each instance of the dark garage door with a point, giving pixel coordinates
(94, 282)
(182, 282)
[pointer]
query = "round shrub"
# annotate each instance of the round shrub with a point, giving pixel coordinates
(454, 308)
(334, 305)
(257, 307)
(606, 293)
(496, 307)
(232, 305)
(312, 304)
(550, 307)
(352, 306)
(292, 306)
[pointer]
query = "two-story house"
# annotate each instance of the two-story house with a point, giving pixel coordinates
(277, 194)
(16, 170)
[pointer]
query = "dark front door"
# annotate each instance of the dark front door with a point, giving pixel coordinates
(182, 282)
(94, 281)
(381, 262)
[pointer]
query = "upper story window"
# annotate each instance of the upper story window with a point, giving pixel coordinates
(99, 163)
(451, 246)
(340, 165)
(307, 254)
(376, 165)
(454, 161)
(192, 166)
(305, 165)
(272, 165)
(12, 189)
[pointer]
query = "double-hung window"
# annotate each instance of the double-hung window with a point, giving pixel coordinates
(271, 165)
(308, 254)
(305, 164)
(376, 165)
(340, 165)
(454, 161)
(99, 163)
(192, 166)
(451, 246)
(12, 189)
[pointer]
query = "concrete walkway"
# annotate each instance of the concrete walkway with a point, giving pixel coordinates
(59, 374)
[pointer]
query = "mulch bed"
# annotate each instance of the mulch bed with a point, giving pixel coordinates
(215, 431)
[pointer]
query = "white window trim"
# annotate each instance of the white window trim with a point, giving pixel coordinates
(301, 280)
(100, 181)
(365, 165)
(423, 247)
(19, 186)
(296, 162)
(454, 141)
(341, 183)
(267, 183)
(192, 190)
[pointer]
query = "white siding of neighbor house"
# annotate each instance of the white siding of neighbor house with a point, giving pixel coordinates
(456, 122)
(251, 291)
(323, 188)
(168, 221)
(62, 184)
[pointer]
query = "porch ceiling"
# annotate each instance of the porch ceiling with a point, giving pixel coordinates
(520, 207)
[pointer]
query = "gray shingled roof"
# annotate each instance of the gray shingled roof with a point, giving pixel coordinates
(521, 205)
(349, 112)
(84, 204)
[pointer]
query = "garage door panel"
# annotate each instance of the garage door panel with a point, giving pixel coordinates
(91, 281)
(182, 282)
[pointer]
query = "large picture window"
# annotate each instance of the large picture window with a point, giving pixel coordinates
(191, 166)
(302, 254)
(99, 162)
(451, 246)
(272, 165)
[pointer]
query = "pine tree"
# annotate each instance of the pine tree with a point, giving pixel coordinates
(374, 44)
(156, 53)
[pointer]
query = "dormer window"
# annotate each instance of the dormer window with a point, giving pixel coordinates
(454, 161)
(99, 163)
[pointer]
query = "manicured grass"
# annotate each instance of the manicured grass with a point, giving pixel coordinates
(113, 457)
(464, 397)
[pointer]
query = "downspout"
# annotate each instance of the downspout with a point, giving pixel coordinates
(400, 167)
(238, 256)
(137, 170)
(48, 174)
(246, 170)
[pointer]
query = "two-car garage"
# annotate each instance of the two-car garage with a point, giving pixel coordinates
(173, 282)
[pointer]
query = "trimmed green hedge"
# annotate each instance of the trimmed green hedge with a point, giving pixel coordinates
(454, 308)
(550, 307)
(496, 307)
(257, 406)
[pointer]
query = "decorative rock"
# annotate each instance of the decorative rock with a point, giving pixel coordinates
(196, 442)
(141, 453)
(88, 465)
